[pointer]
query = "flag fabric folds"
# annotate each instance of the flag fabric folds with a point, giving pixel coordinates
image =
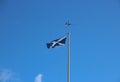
(57, 42)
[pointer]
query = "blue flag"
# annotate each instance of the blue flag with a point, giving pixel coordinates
(57, 42)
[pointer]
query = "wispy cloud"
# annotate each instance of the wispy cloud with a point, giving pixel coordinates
(38, 78)
(7, 75)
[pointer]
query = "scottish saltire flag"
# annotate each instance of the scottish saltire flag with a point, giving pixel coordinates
(57, 42)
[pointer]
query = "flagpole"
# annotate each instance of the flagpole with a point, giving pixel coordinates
(67, 24)
(68, 80)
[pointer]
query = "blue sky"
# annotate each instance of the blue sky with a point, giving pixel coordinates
(27, 25)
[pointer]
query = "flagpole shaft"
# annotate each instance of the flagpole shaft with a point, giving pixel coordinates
(68, 57)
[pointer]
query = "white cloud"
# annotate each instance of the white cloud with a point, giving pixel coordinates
(38, 78)
(7, 75)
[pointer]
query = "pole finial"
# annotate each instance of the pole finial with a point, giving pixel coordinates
(68, 24)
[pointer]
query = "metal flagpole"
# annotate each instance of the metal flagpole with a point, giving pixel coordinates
(68, 71)
(68, 56)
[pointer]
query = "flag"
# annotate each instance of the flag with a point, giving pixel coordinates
(57, 42)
